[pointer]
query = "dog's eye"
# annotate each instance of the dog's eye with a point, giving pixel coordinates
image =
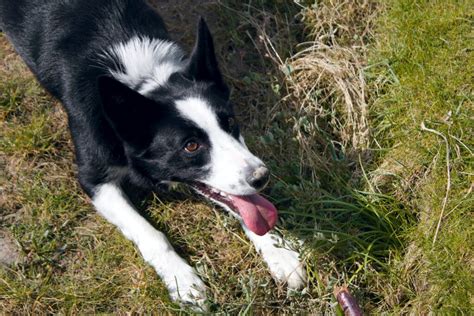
(191, 146)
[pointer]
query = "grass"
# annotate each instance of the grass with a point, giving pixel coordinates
(362, 109)
(428, 47)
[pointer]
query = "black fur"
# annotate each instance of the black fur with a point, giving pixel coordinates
(119, 135)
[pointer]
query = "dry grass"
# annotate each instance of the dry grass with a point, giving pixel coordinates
(326, 98)
(329, 75)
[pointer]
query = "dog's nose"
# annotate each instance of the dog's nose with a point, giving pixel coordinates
(259, 178)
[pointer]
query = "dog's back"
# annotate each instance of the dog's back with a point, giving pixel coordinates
(63, 42)
(24, 22)
(52, 36)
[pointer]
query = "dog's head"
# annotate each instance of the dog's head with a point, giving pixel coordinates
(185, 130)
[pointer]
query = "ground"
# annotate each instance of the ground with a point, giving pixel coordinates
(363, 110)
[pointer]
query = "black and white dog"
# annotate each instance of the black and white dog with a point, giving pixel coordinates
(142, 113)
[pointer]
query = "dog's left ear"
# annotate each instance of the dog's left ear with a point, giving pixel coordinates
(202, 65)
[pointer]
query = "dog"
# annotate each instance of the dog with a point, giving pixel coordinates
(143, 113)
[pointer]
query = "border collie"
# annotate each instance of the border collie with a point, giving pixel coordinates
(142, 112)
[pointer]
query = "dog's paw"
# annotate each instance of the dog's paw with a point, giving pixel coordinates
(183, 284)
(187, 289)
(285, 266)
(283, 262)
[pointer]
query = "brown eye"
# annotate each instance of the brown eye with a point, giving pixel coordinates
(191, 147)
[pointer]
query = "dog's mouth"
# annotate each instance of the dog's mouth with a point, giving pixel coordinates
(258, 214)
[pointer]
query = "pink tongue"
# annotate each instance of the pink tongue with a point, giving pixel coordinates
(258, 213)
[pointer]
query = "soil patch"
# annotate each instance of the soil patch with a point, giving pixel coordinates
(9, 250)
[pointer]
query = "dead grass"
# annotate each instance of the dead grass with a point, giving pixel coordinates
(329, 75)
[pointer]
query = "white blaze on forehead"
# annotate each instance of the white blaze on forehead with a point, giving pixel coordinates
(146, 63)
(230, 159)
(198, 111)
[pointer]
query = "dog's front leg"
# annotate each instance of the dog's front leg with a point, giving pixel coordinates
(284, 263)
(181, 280)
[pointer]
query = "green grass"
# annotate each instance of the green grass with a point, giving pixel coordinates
(427, 45)
(361, 182)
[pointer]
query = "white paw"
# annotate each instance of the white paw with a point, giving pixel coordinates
(284, 263)
(186, 288)
(184, 285)
(285, 266)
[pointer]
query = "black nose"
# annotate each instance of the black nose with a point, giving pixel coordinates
(259, 178)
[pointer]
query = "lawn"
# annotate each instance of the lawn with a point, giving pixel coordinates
(362, 109)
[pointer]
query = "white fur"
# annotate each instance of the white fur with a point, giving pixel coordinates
(230, 161)
(283, 262)
(181, 280)
(146, 62)
(242, 141)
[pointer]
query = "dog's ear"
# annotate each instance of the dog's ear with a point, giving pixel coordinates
(130, 114)
(202, 65)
